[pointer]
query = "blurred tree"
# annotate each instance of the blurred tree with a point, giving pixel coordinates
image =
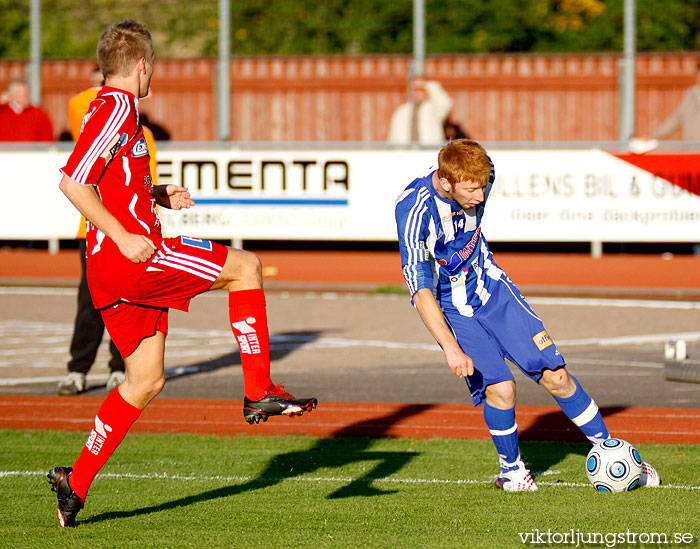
(14, 29)
(580, 25)
(71, 28)
(322, 26)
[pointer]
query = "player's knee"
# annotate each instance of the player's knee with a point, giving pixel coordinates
(251, 269)
(151, 388)
(243, 270)
(141, 391)
(501, 395)
(157, 385)
(556, 381)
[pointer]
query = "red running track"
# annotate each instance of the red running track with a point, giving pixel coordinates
(225, 418)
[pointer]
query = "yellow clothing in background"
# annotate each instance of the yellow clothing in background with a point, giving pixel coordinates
(77, 107)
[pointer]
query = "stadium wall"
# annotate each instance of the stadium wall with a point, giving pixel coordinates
(537, 98)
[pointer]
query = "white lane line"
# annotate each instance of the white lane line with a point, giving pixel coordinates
(55, 337)
(25, 351)
(608, 363)
(97, 378)
(568, 301)
(630, 340)
(31, 290)
(158, 424)
(48, 379)
(609, 302)
(459, 410)
(329, 479)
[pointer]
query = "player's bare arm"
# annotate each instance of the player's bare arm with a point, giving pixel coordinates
(135, 247)
(172, 197)
(429, 311)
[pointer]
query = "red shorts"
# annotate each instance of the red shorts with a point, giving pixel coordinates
(181, 269)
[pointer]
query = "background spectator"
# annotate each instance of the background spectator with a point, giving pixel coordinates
(19, 119)
(421, 118)
(453, 129)
(160, 133)
(79, 103)
(686, 115)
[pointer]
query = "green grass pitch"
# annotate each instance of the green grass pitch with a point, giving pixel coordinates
(195, 491)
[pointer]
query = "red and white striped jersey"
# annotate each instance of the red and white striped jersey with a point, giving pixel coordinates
(112, 155)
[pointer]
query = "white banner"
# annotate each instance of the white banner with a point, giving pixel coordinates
(32, 206)
(588, 195)
(314, 194)
(293, 195)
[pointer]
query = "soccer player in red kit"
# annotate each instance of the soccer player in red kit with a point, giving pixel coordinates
(135, 275)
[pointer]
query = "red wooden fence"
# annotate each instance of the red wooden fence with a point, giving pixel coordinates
(351, 98)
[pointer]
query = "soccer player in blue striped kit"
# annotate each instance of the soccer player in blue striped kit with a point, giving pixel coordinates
(475, 312)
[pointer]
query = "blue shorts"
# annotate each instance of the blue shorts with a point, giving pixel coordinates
(506, 327)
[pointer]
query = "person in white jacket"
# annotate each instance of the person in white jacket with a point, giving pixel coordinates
(686, 116)
(420, 119)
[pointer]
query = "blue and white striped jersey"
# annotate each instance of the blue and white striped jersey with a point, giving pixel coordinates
(442, 247)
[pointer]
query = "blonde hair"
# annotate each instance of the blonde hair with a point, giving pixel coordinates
(121, 47)
(464, 160)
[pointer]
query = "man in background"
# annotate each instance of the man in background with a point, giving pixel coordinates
(420, 119)
(89, 327)
(19, 119)
(686, 116)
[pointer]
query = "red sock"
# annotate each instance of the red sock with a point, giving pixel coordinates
(248, 316)
(112, 422)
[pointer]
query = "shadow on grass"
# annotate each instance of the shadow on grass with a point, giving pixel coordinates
(335, 452)
(563, 437)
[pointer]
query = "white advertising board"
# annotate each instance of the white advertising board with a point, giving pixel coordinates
(337, 194)
(583, 196)
(33, 207)
(317, 195)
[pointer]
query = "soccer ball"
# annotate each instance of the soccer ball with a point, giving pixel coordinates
(614, 465)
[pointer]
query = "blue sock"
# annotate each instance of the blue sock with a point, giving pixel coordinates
(583, 411)
(504, 432)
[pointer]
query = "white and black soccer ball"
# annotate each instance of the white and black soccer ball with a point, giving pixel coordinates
(614, 465)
